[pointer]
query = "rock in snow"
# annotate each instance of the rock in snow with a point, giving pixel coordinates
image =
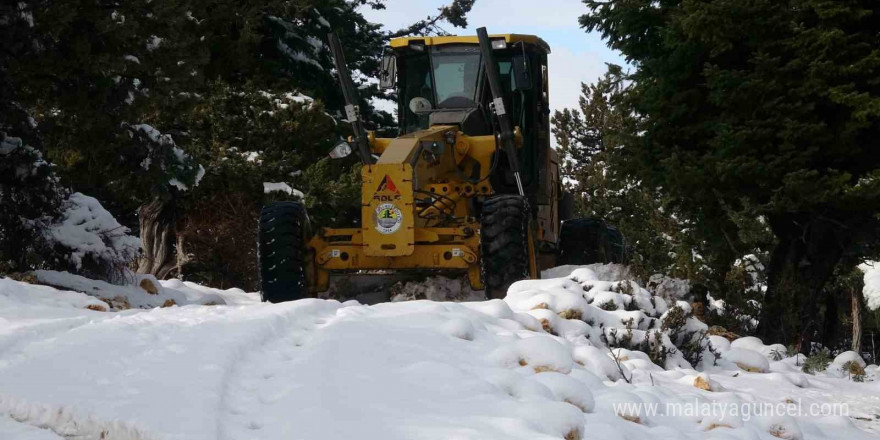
(533, 366)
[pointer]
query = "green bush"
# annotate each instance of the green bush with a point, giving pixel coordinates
(816, 363)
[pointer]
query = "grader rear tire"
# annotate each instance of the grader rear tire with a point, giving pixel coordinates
(587, 240)
(282, 252)
(504, 245)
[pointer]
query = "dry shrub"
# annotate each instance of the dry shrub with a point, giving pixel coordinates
(149, 287)
(717, 330)
(718, 425)
(702, 384)
(118, 302)
(631, 418)
(219, 238)
(856, 372)
(570, 314)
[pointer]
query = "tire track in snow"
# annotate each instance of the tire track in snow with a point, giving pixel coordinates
(260, 362)
(13, 345)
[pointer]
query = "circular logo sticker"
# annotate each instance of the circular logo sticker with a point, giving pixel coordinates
(388, 218)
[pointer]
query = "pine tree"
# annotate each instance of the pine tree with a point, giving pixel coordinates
(763, 107)
(30, 193)
(163, 109)
(594, 167)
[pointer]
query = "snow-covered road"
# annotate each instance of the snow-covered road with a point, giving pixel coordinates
(317, 369)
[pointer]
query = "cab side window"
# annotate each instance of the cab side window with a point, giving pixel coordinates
(417, 83)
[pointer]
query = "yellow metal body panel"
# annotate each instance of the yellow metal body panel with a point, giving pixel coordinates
(471, 39)
(387, 209)
(459, 250)
(378, 145)
(398, 151)
(415, 212)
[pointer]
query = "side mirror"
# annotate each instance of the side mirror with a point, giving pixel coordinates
(521, 77)
(340, 150)
(388, 73)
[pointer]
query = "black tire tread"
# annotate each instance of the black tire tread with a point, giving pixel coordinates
(588, 240)
(504, 243)
(281, 251)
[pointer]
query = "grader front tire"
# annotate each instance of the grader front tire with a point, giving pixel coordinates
(282, 252)
(504, 249)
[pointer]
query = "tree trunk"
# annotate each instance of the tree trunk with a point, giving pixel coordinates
(158, 233)
(800, 265)
(873, 350)
(857, 298)
(772, 325)
(831, 325)
(182, 257)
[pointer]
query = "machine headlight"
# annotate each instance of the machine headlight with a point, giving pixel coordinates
(499, 44)
(340, 150)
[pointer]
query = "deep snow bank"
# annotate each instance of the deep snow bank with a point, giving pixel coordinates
(534, 366)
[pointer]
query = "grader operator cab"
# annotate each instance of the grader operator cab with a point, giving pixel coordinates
(471, 185)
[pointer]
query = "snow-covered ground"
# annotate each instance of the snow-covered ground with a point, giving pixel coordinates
(534, 366)
(145, 291)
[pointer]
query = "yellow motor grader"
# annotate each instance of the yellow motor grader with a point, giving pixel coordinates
(471, 185)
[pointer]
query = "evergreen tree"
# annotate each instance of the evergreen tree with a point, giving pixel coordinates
(661, 238)
(594, 168)
(762, 107)
(162, 109)
(31, 198)
(30, 194)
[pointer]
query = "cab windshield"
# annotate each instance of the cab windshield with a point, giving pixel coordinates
(447, 77)
(455, 78)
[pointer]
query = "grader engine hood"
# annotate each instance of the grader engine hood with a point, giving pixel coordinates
(387, 210)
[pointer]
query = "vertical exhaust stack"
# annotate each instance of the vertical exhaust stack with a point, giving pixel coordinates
(349, 92)
(499, 106)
